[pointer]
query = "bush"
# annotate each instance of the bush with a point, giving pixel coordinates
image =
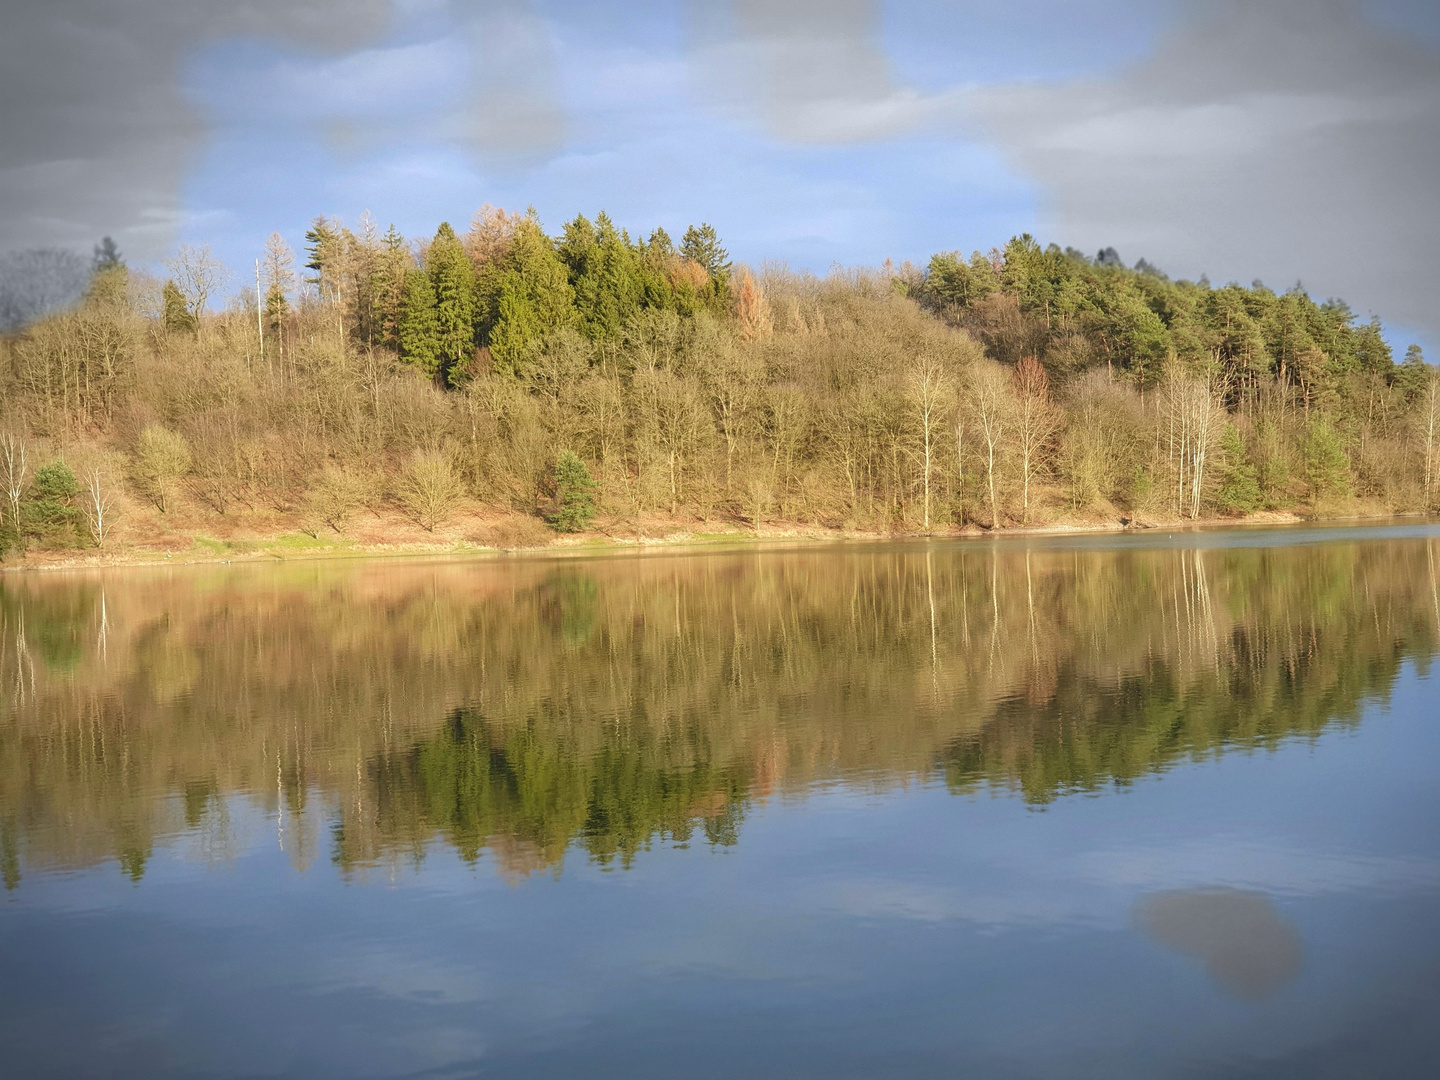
(431, 489)
(574, 494)
(334, 495)
(161, 459)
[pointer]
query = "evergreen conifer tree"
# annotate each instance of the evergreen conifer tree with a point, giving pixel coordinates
(605, 273)
(701, 245)
(574, 494)
(107, 256)
(1239, 482)
(393, 265)
(452, 279)
(176, 315)
(418, 328)
(531, 297)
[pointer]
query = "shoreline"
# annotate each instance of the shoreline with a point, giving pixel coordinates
(293, 546)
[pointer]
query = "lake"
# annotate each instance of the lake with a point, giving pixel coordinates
(1093, 806)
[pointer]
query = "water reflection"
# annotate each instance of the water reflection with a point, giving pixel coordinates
(1245, 945)
(522, 709)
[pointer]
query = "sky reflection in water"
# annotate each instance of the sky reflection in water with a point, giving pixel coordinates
(1068, 807)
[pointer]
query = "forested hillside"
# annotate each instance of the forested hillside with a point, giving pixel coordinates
(592, 379)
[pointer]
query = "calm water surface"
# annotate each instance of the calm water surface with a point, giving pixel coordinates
(1095, 807)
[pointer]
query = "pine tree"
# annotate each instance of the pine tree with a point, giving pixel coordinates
(418, 329)
(1412, 376)
(574, 494)
(279, 266)
(109, 277)
(1239, 482)
(452, 279)
(529, 297)
(107, 257)
(176, 315)
(605, 273)
(324, 246)
(701, 245)
(393, 265)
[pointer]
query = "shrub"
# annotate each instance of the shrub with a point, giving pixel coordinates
(161, 459)
(431, 489)
(334, 495)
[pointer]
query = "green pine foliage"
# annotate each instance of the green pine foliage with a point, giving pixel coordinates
(176, 315)
(701, 246)
(418, 327)
(1240, 484)
(1078, 312)
(574, 494)
(527, 297)
(698, 390)
(606, 275)
(452, 280)
(49, 513)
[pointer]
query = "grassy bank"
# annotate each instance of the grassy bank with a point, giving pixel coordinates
(480, 534)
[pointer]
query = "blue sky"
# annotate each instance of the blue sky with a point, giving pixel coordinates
(645, 138)
(1276, 139)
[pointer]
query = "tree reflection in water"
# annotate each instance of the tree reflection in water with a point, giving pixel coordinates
(528, 708)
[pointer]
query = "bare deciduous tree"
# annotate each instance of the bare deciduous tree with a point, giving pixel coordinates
(1430, 432)
(99, 503)
(1195, 417)
(492, 231)
(161, 459)
(1036, 421)
(990, 398)
(199, 273)
(15, 464)
(929, 394)
(431, 489)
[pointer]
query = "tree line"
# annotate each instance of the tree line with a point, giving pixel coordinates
(589, 374)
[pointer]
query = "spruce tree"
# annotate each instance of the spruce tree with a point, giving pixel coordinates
(574, 494)
(1412, 376)
(324, 246)
(530, 297)
(417, 332)
(605, 273)
(452, 279)
(175, 312)
(701, 245)
(394, 264)
(107, 257)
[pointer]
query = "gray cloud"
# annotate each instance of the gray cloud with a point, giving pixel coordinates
(515, 116)
(38, 281)
(1288, 139)
(96, 132)
(813, 70)
(1281, 139)
(1244, 944)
